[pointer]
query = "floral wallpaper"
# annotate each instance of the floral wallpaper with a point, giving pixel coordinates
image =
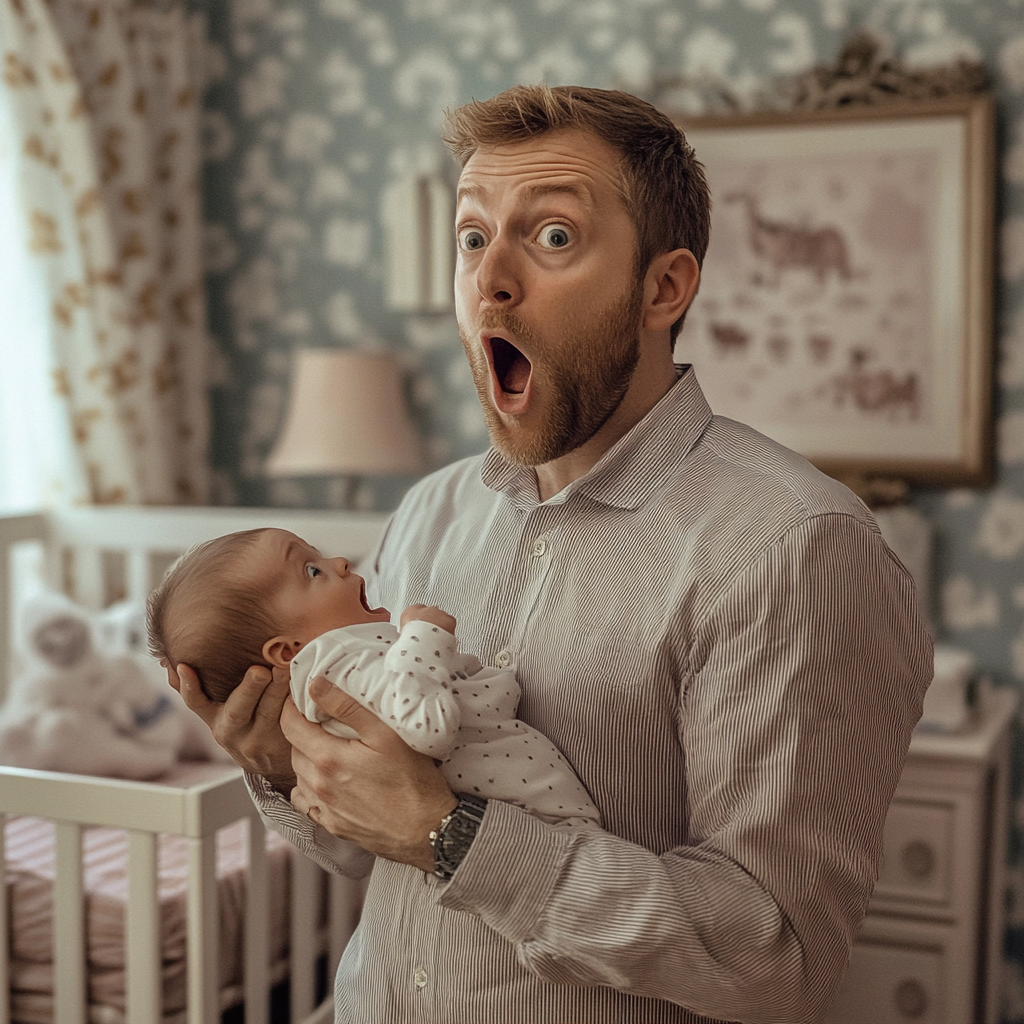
(314, 106)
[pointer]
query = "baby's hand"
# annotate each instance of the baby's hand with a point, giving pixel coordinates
(428, 613)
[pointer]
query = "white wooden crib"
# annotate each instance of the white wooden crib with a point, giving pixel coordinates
(99, 556)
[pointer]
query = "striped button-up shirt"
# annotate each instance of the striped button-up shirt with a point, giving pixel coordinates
(717, 639)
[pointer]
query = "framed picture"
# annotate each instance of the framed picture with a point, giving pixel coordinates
(845, 305)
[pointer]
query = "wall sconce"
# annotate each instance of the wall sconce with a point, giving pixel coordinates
(346, 417)
(418, 217)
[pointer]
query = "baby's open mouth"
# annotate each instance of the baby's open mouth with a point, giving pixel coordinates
(362, 597)
(511, 367)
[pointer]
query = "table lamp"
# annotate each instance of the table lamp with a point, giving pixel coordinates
(346, 417)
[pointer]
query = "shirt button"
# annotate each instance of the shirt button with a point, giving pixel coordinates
(420, 977)
(540, 545)
(503, 658)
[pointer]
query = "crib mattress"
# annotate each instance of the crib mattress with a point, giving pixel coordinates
(30, 874)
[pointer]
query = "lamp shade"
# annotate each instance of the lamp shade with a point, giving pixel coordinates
(346, 416)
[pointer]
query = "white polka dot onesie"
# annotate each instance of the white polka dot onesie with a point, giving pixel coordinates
(445, 704)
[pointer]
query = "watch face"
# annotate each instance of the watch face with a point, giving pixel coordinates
(460, 833)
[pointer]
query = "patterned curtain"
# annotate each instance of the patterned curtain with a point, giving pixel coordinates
(104, 97)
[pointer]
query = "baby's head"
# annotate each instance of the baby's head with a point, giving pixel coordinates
(250, 598)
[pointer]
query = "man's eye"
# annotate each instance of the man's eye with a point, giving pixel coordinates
(471, 239)
(312, 571)
(554, 236)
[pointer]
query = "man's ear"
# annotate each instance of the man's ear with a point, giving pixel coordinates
(669, 287)
(279, 651)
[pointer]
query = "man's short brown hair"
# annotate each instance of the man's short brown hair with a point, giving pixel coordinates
(663, 184)
(209, 613)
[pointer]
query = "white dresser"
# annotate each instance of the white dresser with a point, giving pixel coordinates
(930, 949)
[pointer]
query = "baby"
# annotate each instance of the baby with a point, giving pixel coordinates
(267, 597)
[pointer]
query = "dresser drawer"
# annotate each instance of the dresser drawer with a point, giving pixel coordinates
(905, 970)
(919, 853)
(932, 855)
(890, 984)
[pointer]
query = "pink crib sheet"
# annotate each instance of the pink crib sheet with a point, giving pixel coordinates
(30, 873)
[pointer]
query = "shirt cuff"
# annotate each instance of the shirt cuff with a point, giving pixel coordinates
(335, 855)
(262, 792)
(422, 633)
(510, 871)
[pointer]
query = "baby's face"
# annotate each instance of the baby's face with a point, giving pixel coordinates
(313, 593)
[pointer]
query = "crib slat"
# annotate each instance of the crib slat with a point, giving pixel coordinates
(142, 931)
(87, 576)
(203, 926)
(69, 926)
(257, 928)
(14, 530)
(138, 574)
(303, 935)
(5, 945)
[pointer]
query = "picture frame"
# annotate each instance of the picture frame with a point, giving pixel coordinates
(845, 305)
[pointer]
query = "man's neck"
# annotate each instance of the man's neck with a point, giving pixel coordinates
(645, 391)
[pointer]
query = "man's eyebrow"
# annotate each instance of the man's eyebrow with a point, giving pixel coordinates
(554, 188)
(536, 191)
(467, 192)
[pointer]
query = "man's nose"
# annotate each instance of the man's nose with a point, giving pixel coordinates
(497, 275)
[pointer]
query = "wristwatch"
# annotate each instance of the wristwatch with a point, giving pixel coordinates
(452, 839)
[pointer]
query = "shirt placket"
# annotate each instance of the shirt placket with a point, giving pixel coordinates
(533, 560)
(425, 1000)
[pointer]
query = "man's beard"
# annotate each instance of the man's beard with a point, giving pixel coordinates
(584, 376)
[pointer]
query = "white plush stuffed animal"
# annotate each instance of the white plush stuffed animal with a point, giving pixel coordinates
(85, 702)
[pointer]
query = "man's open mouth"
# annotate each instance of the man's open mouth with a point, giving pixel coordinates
(511, 367)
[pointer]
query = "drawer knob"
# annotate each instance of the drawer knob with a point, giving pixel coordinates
(911, 999)
(918, 858)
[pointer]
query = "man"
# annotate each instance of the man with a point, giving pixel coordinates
(712, 633)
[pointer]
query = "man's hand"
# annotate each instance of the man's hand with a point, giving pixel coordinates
(247, 725)
(428, 613)
(375, 791)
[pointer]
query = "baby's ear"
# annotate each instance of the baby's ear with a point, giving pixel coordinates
(279, 651)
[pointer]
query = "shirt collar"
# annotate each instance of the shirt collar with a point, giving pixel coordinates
(633, 467)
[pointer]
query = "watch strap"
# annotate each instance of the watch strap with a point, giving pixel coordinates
(453, 837)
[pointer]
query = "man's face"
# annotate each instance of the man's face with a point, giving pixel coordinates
(546, 297)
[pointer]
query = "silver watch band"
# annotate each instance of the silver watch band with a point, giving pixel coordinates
(453, 837)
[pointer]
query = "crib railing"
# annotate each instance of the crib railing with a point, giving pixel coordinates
(144, 810)
(98, 556)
